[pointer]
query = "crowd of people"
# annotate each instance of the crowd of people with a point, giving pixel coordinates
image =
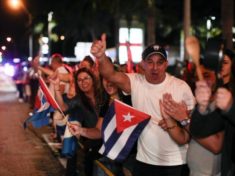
(191, 130)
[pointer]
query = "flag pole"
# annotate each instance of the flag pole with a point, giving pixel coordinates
(49, 96)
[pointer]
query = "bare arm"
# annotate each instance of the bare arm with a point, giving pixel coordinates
(106, 67)
(212, 143)
(65, 77)
(91, 133)
(178, 134)
(58, 96)
(46, 71)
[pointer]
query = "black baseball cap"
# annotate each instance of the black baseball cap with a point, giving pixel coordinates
(154, 49)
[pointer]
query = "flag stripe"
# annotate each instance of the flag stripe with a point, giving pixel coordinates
(40, 122)
(48, 95)
(43, 107)
(69, 146)
(131, 140)
(41, 115)
(116, 142)
(109, 129)
(40, 119)
(117, 146)
(108, 117)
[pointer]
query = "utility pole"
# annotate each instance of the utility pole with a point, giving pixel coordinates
(227, 21)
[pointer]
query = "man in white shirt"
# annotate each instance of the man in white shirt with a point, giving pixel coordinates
(57, 66)
(160, 152)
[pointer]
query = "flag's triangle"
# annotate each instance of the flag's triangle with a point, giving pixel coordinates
(127, 116)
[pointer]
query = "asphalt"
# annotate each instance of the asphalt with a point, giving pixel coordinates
(25, 152)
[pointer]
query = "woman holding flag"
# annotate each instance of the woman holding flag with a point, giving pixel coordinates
(85, 106)
(113, 92)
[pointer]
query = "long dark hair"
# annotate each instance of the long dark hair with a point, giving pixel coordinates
(96, 88)
(231, 84)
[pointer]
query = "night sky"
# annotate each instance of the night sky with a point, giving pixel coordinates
(15, 23)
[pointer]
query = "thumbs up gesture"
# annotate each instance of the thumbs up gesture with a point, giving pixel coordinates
(98, 47)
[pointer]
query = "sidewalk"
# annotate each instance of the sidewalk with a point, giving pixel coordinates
(45, 134)
(22, 152)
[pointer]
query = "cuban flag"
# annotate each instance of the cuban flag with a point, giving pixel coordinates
(41, 115)
(45, 104)
(49, 94)
(70, 142)
(121, 127)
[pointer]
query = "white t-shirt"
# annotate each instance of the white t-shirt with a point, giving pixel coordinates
(61, 69)
(155, 146)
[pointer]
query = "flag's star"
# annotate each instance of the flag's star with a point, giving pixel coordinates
(128, 117)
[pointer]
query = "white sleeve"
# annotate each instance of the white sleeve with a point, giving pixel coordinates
(188, 97)
(131, 76)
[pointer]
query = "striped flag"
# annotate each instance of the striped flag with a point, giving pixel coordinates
(41, 115)
(47, 93)
(45, 104)
(121, 127)
(70, 142)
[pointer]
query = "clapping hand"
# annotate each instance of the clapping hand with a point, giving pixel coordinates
(203, 95)
(176, 110)
(223, 99)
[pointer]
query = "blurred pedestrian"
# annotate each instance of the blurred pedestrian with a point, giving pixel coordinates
(212, 123)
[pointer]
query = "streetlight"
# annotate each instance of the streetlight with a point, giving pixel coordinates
(8, 39)
(15, 5)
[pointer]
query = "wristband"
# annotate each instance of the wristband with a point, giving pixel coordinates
(185, 122)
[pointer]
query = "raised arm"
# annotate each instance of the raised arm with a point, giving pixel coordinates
(46, 71)
(58, 95)
(36, 65)
(106, 67)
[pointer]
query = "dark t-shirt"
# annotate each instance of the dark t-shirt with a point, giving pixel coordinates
(211, 123)
(88, 118)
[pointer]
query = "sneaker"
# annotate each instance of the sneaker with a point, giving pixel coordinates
(21, 100)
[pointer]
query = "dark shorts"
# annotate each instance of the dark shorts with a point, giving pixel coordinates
(141, 169)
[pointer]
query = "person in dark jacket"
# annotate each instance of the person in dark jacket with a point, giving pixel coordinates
(210, 118)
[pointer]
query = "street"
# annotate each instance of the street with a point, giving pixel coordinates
(23, 152)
